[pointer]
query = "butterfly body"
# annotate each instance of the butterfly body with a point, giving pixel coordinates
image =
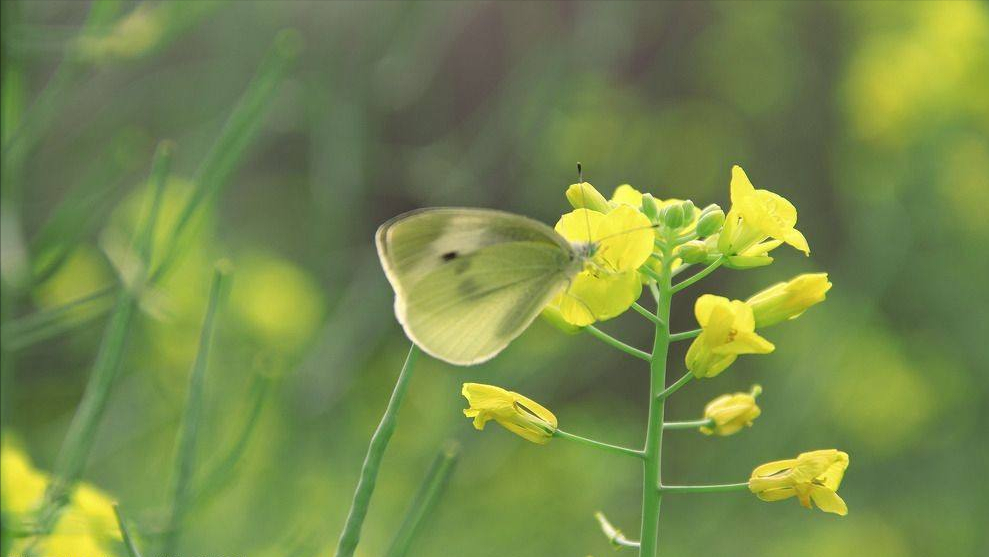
(469, 281)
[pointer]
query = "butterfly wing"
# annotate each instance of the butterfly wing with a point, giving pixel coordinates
(469, 281)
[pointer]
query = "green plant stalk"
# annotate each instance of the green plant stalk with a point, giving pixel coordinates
(689, 425)
(653, 451)
(238, 132)
(718, 488)
(222, 158)
(223, 470)
(185, 458)
(684, 335)
(372, 461)
(129, 544)
(426, 499)
(700, 274)
(79, 439)
(605, 337)
(597, 444)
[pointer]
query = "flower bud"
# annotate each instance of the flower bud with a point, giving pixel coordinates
(516, 413)
(788, 300)
(584, 196)
(730, 413)
(689, 212)
(649, 207)
(710, 221)
(694, 251)
(673, 215)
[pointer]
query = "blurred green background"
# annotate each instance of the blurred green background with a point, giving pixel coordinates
(871, 117)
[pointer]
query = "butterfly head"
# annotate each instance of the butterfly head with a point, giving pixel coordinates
(585, 250)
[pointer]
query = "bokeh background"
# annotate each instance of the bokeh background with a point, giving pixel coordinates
(872, 117)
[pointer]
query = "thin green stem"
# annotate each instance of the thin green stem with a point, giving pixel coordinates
(132, 550)
(608, 339)
(684, 335)
(650, 273)
(426, 499)
(598, 444)
(229, 148)
(700, 274)
(681, 269)
(185, 459)
(687, 377)
(74, 453)
(688, 425)
(372, 461)
(717, 488)
(653, 451)
(646, 313)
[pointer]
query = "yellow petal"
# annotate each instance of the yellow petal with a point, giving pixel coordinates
(628, 195)
(774, 467)
(579, 225)
(796, 239)
(741, 187)
(591, 297)
(705, 305)
(626, 239)
(828, 501)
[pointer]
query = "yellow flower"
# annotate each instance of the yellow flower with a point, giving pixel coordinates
(788, 300)
(730, 413)
(516, 413)
(813, 476)
(609, 283)
(728, 329)
(756, 215)
(86, 526)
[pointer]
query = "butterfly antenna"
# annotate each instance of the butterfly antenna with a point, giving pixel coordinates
(629, 231)
(583, 201)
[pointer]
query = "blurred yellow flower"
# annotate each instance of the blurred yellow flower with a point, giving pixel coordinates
(788, 300)
(813, 476)
(516, 413)
(728, 329)
(756, 215)
(730, 413)
(86, 527)
(609, 283)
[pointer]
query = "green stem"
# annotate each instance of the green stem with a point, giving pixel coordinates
(132, 550)
(675, 386)
(717, 488)
(598, 444)
(189, 433)
(653, 452)
(617, 343)
(646, 313)
(688, 425)
(700, 274)
(372, 461)
(425, 500)
(650, 273)
(74, 453)
(684, 335)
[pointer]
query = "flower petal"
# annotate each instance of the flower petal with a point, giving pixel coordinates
(828, 501)
(579, 225)
(628, 195)
(626, 239)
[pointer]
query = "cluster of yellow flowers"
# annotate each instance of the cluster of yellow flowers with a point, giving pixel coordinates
(626, 229)
(87, 525)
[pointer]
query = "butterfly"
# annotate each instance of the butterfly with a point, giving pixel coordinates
(469, 281)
